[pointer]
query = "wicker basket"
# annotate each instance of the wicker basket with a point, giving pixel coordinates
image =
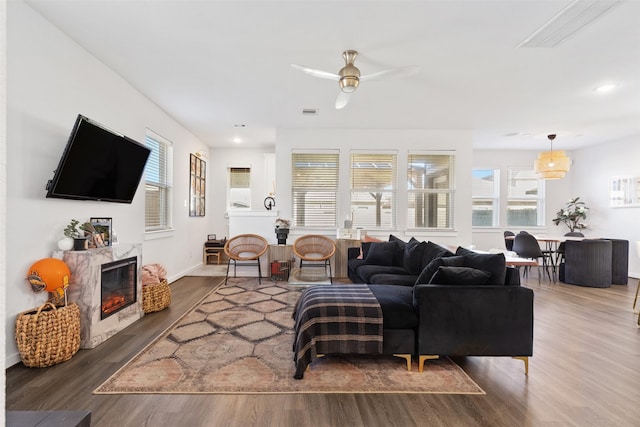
(48, 335)
(156, 297)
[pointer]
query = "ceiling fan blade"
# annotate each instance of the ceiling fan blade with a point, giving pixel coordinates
(317, 73)
(394, 72)
(343, 99)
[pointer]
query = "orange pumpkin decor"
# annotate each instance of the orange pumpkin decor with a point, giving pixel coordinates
(50, 274)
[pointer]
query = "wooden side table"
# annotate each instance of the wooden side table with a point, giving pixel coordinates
(341, 261)
(213, 251)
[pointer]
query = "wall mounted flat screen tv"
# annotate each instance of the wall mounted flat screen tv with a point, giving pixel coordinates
(98, 164)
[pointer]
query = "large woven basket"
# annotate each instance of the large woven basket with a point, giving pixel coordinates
(48, 335)
(156, 297)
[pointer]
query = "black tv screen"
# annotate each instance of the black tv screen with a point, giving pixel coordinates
(98, 164)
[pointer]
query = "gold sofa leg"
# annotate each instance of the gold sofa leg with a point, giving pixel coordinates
(422, 358)
(406, 357)
(525, 359)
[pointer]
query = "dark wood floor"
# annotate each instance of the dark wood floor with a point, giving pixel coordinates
(585, 372)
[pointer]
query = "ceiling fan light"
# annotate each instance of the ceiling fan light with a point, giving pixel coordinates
(349, 84)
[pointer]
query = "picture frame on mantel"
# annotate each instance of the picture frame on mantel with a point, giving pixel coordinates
(197, 185)
(624, 191)
(104, 231)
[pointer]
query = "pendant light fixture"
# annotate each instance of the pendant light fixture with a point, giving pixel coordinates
(552, 164)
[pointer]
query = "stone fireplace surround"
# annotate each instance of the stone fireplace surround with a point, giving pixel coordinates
(84, 290)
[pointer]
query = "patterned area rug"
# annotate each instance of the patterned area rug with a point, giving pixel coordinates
(239, 339)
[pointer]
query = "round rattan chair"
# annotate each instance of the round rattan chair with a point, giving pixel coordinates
(247, 249)
(315, 250)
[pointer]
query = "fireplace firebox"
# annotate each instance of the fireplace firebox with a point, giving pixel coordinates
(118, 285)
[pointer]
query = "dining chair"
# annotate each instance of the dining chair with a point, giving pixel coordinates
(315, 249)
(560, 250)
(508, 243)
(526, 246)
(246, 249)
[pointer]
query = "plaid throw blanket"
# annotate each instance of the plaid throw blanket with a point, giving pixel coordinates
(336, 319)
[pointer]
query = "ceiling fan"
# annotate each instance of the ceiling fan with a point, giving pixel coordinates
(349, 76)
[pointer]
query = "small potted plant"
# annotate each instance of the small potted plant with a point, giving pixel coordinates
(282, 230)
(76, 232)
(572, 215)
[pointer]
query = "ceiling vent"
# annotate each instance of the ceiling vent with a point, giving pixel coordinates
(310, 112)
(571, 19)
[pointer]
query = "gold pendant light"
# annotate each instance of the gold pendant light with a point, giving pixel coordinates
(552, 164)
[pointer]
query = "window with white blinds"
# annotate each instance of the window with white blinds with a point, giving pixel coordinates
(314, 188)
(373, 190)
(485, 193)
(431, 190)
(525, 198)
(239, 195)
(157, 175)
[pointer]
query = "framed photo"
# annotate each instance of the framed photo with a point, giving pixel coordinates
(624, 191)
(197, 185)
(103, 227)
(211, 237)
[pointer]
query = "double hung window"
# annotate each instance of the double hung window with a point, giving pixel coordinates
(373, 190)
(431, 189)
(314, 188)
(525, 198)
(157, 175)
(485, 197)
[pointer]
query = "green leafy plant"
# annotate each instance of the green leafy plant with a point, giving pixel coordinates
(73, 229)
(573, 215)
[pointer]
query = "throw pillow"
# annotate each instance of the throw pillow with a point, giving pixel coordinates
(412, 260)
(496, 264)
(433, 251)
(381, 253)
(460, 276)
(399, 255)
(431, 268)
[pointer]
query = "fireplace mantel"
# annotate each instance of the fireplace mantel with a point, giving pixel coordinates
(84, 290)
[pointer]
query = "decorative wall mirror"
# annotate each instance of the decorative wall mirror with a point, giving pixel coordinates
(197, 186)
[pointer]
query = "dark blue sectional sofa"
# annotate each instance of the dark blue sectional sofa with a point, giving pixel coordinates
(439, 303)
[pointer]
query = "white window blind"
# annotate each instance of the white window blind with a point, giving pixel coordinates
(314, 187)
(431, 189)
(373, 190)
(525, 198)
(485, 191)
(157, 176)
(239, 196)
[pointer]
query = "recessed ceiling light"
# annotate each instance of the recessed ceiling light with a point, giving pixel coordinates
(236, 140)
(606, 88)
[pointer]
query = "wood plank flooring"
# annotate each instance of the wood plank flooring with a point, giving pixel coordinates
(585, 371)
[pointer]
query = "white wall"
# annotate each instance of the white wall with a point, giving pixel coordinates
(381, 139)
(50, 79)
(593, 168)
(557, 192)
(220, 160)
(3, 199)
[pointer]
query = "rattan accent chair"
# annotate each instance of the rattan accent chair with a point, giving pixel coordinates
(315, 250)
(246, 249)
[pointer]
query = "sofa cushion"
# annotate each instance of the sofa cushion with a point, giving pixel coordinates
(366, 271)
(413, 256)
(398, 257)
(496, 264)
(381, 253)
(393, 279)
(431, 268)
(397, 306)
(460, 276)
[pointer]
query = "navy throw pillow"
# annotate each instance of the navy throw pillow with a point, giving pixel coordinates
(413, 257)
(460, 276)
(381, 253)
(496, 264)
(433, 251)
(431, 268)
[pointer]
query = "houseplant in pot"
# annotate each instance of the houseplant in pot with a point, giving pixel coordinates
(76, 233)
(282, 230)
